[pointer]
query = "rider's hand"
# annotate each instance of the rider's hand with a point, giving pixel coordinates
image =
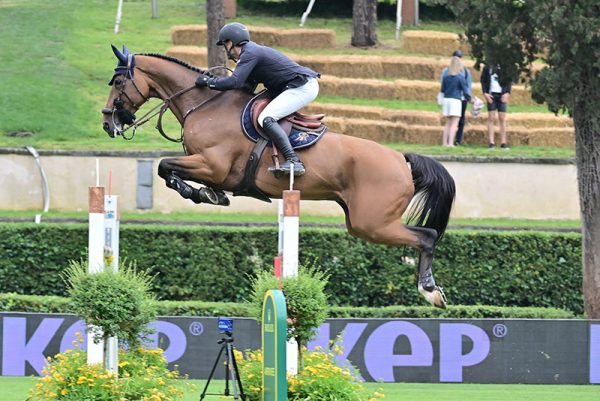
(202, 80)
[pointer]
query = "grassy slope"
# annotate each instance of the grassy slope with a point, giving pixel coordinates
(16, 388)
(59, 61)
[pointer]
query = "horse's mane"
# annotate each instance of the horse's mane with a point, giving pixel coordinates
(175, 60)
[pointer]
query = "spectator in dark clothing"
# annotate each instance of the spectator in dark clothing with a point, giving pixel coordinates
(291, 85)
(496, 97)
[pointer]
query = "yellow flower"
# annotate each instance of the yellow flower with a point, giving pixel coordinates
(64, 391)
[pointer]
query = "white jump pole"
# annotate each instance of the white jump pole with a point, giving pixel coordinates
(305, 14)
(398, 18)
(119, 14)
(289, 221)
(95, 352)
(111, 259)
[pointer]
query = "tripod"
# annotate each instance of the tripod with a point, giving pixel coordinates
(231, 370)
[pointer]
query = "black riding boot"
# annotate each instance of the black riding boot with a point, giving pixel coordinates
(281, 140)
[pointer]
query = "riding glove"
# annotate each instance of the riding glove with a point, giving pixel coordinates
(202, 80)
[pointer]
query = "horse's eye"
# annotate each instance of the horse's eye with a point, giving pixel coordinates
(118, 83)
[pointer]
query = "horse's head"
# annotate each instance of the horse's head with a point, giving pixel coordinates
(126, 95)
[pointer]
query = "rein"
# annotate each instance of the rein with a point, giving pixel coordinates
(159, 109)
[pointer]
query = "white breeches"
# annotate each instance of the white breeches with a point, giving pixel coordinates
(290, 100)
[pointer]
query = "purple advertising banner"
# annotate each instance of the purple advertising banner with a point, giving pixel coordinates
(388, 350)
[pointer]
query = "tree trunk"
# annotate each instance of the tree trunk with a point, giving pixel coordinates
(587, 134)
(215, 19)
(364, 23)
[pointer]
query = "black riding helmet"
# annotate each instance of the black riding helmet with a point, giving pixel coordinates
(235, 32)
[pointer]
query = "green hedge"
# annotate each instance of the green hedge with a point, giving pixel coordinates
(215, 264)
(54, 304)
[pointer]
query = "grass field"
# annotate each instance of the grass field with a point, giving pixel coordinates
(16, 389)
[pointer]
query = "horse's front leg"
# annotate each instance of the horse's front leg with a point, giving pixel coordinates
(178, 169)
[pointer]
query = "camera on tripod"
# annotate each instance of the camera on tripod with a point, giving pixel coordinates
(231, 370)
(226, 326)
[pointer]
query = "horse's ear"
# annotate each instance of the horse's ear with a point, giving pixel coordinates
(122, 58)
(125, 51)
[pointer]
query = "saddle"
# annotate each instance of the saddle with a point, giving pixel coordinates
(303, 130)
(300, 121)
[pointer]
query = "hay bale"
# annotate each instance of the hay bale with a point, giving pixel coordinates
(346, 111)
(412, 67)
(425, 91)
(307, 38)
(539, 120)
(196, 56)
(398, 67)
(551, 137)
(476, 134)
(381, 132)
(364, 128)
(432, 42)
(522, 136)
(344, 66)
(335, 124)
(189, 35)
(423, 134)
(264, 35)
(413, 117)
(362, 88)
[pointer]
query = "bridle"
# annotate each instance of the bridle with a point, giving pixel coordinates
(125, 116)
(128, 118)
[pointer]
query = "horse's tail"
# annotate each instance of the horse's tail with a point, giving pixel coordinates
(435, 191)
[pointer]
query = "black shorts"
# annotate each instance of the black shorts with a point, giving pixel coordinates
(497, 103)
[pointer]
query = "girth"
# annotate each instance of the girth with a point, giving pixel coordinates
(248, 185)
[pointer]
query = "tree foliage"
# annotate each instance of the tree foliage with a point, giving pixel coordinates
(565, 35)
(118, 303)
(304, 296)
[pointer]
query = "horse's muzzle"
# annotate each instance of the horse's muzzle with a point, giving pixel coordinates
(106, 124)
(106, 127)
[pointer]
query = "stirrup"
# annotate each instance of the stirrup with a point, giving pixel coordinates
(286, 168)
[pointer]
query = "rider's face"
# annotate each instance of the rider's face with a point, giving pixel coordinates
(232, 51)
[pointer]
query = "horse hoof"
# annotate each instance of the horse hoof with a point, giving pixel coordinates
(436, 297)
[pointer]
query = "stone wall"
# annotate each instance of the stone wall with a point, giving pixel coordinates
(525, 190)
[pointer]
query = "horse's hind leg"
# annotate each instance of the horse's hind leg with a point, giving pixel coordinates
(393, 232)
(174, 173)
(425, 281)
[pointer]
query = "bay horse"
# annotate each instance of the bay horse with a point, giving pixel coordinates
(373, 184)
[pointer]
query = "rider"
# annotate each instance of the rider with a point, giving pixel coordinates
(291, 85)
